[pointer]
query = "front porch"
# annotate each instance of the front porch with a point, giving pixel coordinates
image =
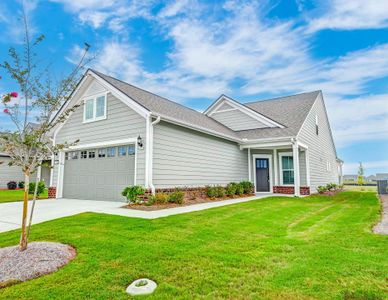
(279, 167)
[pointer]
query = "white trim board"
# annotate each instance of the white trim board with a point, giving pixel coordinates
(104, 144)
(246, 110)
(269, 157)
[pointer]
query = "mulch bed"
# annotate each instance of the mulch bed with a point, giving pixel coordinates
(40, 258)
(186, 202)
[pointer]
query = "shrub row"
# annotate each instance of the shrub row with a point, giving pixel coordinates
(232, 188)
(161, 198)
(12, 185)
(329, 187)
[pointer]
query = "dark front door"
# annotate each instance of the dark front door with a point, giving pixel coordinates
(262, 175)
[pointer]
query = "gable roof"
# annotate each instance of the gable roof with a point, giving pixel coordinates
(167, 108)
(289, 111)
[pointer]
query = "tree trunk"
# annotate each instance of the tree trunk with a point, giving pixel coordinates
(38, 177)
(23, 236)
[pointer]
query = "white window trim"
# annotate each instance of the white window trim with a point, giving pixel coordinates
(94, 98)
(281, 154)
(269, 157)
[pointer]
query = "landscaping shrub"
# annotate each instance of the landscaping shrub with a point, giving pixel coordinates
(331, 186)
(40, 190)
(21, 184)
(240, 189)
(176, 197)
(194, 194)
(248, 186)
(231, 189)
(132, 193)
(322, 189)
(12, 185)
(161, 198)
(211, 191)
(151, 200)
(220, 191)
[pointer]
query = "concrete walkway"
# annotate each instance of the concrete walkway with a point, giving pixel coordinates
(382, 227)
(46, 210)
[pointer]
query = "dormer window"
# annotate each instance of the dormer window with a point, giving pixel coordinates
(95, 108)
(316, 125)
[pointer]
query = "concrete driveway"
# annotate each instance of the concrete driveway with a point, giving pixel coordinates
(46, 210)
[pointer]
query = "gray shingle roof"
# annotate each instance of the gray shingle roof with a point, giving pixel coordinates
(289, 111)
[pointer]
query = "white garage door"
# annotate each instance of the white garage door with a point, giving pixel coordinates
(99, 174)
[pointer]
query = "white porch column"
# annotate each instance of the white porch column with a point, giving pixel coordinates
(275, 166)
(307, 167)
(249, 165)
(61, 171)
(295, 154)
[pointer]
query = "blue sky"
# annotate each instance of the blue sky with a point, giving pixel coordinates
(193, 51)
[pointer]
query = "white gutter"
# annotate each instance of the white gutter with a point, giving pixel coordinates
(151, 146)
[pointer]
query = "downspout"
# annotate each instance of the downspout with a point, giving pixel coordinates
(151, 145)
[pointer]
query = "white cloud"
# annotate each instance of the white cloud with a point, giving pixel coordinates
(354, 14)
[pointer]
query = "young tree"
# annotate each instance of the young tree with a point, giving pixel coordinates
(39, 96)
(360, 173)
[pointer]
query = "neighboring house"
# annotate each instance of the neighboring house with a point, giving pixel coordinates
(14, 173)
(371, 178)
(382, 176)
(129, 136)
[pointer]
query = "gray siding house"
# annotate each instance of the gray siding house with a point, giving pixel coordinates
(129, 136)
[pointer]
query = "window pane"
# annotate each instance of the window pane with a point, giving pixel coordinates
(131, 150)
(111, 152)
(89, 109)
(84, 154)
(74, 155)
(287, 163)
(66, 155)
(100, 106)
(92, 154)
(102, 152)
(288, 177)
(122, 151)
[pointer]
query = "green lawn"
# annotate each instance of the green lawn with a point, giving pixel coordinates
(318, 247)
(17, 195)
(360, 188)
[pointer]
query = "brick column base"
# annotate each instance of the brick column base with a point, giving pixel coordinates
(282, 189)
(52, 192)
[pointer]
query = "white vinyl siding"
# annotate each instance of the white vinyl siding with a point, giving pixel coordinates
(237, 120)
(320, 146)
(183, 157)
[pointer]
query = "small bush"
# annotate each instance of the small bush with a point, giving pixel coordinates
(194, 194)
(240, 189)
(231, 189)
(40, 190)
(220, 191)
(151, 200)
(248, 186)
(176, 197)
(211, 191)
(21, 184)
(132, 193)
(322, 189)
(161, 198)
(331, 186)
(12, 185)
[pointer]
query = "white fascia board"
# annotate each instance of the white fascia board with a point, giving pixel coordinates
(266, 140)
(266, 145)
(253, 114)
(104, 144)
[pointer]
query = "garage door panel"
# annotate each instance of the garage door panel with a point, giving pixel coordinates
(99, 178)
